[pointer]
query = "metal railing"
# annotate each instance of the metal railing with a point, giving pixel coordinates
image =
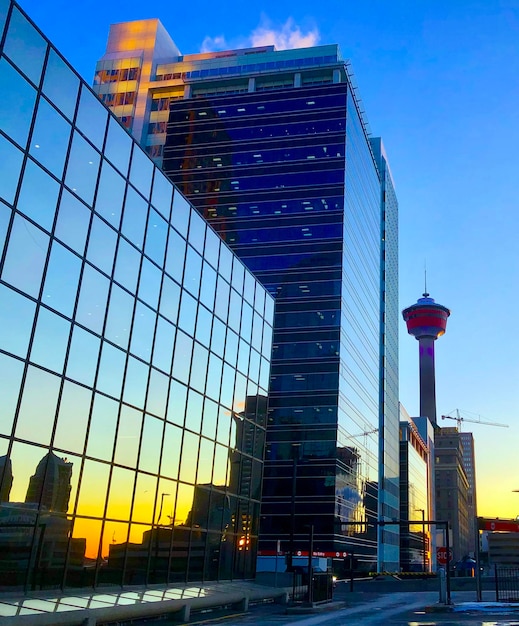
(507, 584)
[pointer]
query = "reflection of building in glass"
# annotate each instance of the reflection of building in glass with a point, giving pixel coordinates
(6, 478)
(50, 485)
(415, 472)
(271, 147)
(134, 349)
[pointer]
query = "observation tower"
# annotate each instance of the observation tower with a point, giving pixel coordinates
(427, 321)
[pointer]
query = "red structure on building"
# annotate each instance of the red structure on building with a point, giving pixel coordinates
(427, 321)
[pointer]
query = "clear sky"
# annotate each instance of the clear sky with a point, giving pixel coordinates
(439, 81)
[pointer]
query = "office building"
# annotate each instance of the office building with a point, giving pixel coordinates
(134, 351)
(452, 490)
(272, 148)
(469, 465)
(415, 462)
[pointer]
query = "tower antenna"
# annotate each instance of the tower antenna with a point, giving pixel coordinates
(425, 293)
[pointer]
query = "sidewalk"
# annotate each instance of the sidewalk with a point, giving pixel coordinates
(87, 607)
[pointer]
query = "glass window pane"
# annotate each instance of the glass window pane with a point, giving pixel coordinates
(212, 247)
(82, 169)
(156, 236)
(4, 8)
(182, 357)
(101, 246)
(171, 451)
(214, 377)
(16, 320)
(38, 407)
(5, 217)
(50, 341)
(180, 213)
(208, 286)
(61, 280)
(128, 437)
(73, 413)
(38, 196)
(119, 499)
(164, 340)
(162, 194)
(60, 84)
(103, 424)
(157, 393)
(222, 299)
(118, 146)
(175, 255)
(72, 223)
(169, 300)
(203, 326)
(149, 283)
(141, 171)
(149, 455)
(50, 138)
(142, 333)
(210, 419)
(92, 492)
(111, 370)
(197, 232)
(189, 458)
(110, 195)
(218, 337)
(225, 265)
(26, 255)
(120, 313)
(127, 265)
(199, 371)
(187, 316)
(134, 217)
(177, 402)
(10, 379)
(16, 103)
(238, 275)
(11, 159)
(25, 46)
(82, 358)
(192, 271)
(146, 486)
(92, 299)
(92, 117)
(136, 382)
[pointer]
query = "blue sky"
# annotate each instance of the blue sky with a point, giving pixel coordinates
(439, 81)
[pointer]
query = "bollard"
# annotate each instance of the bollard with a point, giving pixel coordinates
(443, 585)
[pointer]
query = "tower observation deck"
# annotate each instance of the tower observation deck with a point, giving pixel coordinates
(427, 321)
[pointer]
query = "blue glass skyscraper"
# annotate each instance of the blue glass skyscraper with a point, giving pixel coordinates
(272, 149)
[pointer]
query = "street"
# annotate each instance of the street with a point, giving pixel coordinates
(390, 609)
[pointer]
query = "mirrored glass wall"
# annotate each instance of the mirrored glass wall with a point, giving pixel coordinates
(134, 351)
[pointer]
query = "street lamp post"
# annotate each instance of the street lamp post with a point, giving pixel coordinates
(422, 511)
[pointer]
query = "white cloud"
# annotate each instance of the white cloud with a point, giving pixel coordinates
(285, 37)
(210, 44)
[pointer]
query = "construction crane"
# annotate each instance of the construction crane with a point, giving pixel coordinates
(460, 419)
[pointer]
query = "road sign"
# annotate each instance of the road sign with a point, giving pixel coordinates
(441, 555)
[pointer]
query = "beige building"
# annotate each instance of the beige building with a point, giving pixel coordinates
(452, 490)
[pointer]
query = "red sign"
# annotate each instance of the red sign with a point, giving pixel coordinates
(499, 525)
(332, 555)
(441, 555)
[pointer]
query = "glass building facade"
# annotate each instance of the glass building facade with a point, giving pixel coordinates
(415, 457)
(271, 148)
(134, 351)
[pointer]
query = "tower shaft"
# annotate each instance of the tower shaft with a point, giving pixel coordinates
(427, 378)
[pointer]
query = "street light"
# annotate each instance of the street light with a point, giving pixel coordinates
(422, 511)
(163, 495)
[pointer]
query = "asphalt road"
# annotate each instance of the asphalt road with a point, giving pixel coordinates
(394, 609)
